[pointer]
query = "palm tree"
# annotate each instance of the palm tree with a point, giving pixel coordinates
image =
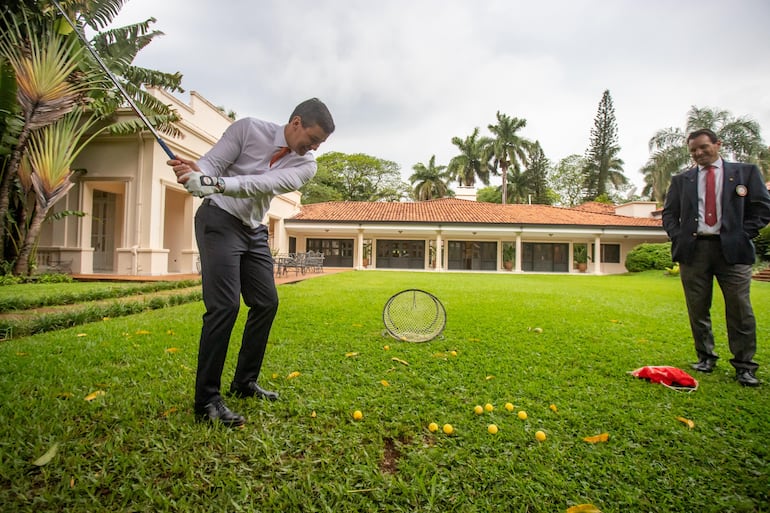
(472, 162)
(432, 180)
(118, 47)
(44, 64)
(46, 170)
(661, 166)
(741, 140)
(509, 149)
(54, 75)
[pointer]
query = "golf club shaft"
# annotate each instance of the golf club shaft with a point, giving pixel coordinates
(115, 81)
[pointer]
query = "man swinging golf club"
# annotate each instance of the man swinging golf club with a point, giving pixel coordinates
(254, 161)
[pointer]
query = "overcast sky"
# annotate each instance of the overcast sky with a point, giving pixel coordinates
(402, 77)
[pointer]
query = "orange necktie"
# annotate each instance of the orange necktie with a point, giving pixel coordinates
(711, 197)
(279, 155)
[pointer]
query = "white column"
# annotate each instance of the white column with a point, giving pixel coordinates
(359, 263)
(517, 268)
(597, 255)
(439, 253)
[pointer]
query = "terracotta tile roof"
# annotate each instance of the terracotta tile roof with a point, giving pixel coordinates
(595, 206)
(451, 210)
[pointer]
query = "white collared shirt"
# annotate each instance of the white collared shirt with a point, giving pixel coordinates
(242, 158)
(703, 228)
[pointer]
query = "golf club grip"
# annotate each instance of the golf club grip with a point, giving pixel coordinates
(115, 81)
(166, 148)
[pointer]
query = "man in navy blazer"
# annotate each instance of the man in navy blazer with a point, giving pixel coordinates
(717, 245)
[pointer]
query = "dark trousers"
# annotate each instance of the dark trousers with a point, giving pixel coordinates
(235, 261)
(735, 282)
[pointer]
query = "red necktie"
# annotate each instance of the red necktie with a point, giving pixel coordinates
(711, 197)
(279, 155)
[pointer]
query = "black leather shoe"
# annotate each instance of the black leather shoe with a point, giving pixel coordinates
(705, 365)
(216, 411)
(253, 390)
(746, 378)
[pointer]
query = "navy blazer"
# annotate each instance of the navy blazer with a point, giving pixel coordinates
(745, 211)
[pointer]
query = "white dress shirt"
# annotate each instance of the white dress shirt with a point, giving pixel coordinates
(242, 158)
(703, 228)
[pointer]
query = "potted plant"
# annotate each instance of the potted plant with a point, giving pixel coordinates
(580, 254)
(367, 253)
(509, 253)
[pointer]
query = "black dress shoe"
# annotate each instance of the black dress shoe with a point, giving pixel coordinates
(253, 390)
(705, 365)
(216, 411)
(746, 378)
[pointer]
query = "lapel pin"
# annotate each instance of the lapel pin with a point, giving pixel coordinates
(741, 190)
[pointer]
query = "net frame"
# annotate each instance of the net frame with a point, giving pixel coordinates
(414, 315)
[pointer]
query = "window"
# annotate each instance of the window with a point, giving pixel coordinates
(610, 253)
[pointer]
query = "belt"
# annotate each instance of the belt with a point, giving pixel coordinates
(708, 237)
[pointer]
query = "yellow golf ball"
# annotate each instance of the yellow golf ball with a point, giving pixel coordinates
(509, 406)
(478, 410)
(488, 407)
(540, 436)
(432, 427)
(357, 415)
(522, 415)
(453, 353)
(448, 429)
(492, 429)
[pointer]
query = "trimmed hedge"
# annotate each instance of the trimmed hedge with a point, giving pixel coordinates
(649, 257)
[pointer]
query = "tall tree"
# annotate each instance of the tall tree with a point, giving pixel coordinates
(429, 182)
(741, 141)
(473, 160)
(359, 177)
(490, 194)
(566, 180)
(659, 169)
(46, 171)
(509, 149)
(603, 167)
(54, 75)
(537, 172)
(44, 64)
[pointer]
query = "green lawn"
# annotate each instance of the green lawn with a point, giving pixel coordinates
(136, 447)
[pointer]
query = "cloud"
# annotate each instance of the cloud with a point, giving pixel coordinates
(402, 78)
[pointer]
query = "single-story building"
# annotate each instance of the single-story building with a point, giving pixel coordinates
(139, 221)
(462, 235)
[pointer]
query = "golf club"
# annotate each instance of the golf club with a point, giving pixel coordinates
(114, 80)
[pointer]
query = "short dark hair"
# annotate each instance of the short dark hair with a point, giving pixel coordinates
(703, 131)
(313, 112)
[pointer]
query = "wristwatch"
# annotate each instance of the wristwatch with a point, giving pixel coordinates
(217, 182)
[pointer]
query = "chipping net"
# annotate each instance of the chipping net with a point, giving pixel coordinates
(414, 316)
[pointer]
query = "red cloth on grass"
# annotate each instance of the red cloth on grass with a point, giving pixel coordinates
(669, 376)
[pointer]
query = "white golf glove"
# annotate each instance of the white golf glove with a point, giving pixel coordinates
(201, 185)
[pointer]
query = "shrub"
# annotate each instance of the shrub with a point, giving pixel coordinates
(647, 257)
(54, 278)
(9, 279)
